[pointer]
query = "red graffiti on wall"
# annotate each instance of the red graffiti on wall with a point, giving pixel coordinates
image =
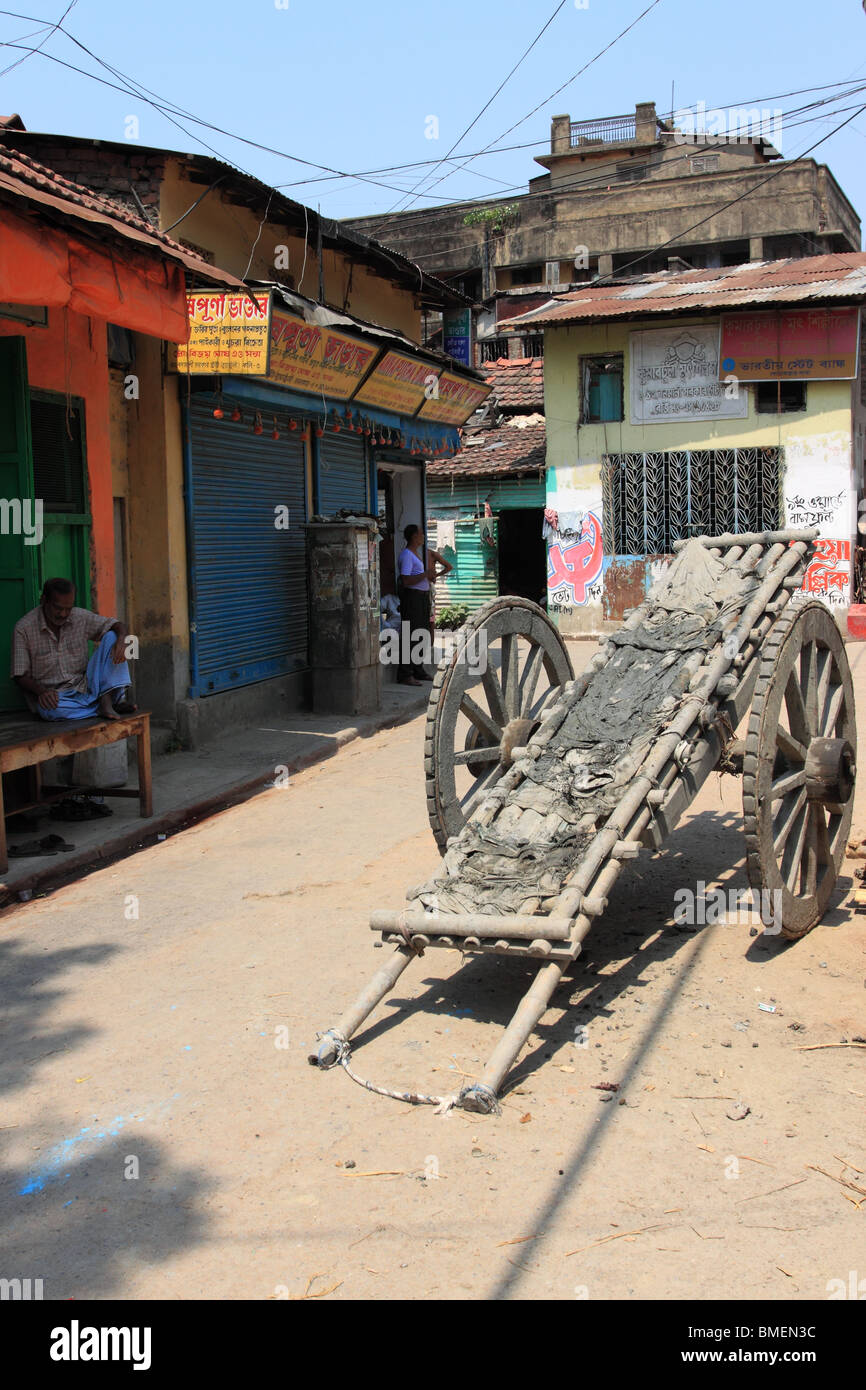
(577, 565)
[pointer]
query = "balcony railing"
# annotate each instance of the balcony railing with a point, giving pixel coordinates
(609, 130)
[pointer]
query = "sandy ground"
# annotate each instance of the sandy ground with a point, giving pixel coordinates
(162, 1134)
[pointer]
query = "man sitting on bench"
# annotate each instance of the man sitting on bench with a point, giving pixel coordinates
(50, 661)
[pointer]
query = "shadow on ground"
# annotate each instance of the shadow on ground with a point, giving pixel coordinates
(86, 1208)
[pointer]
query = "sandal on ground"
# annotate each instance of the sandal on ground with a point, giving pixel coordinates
(70, 810)
(53, 843)
(31, 850)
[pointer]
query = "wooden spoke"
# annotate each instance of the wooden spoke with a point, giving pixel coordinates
(793, 856)
(495, 697)
(809, 875)
(511, 674)
(796, 839)
(796, 707)
(460, 766)
(825, 856)
(793, 750)
(825, 675)
(787, 818)
(834, 709)
(809, 684)
(787, 783)
(482, 754)
(482, 721)
(529, 681)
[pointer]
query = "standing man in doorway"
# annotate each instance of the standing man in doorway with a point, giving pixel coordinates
(416, 568)
(50, 659)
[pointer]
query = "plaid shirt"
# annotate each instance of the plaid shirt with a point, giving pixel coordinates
(57, 660)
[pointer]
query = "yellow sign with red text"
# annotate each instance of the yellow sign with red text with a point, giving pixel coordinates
(228, 335)
(454, 400)
(307, 357)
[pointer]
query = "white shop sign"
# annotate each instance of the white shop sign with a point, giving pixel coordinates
(674, 375)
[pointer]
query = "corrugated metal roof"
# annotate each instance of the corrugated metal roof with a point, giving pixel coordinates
(23, 179)
(839, 276)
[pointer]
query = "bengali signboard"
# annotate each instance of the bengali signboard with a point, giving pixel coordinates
(228, 334)
(819, 493)
(673, 376)
(457, 335)
(307, 357)
(790, 345)
(398, 383)
(454, 400)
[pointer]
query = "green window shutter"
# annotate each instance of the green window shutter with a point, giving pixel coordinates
(18, 561)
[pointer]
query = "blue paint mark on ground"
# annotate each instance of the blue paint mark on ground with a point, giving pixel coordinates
(55, 1165)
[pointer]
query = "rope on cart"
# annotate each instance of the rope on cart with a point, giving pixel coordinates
(443, 1104)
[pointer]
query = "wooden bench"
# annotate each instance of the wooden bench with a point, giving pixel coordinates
(27, 741)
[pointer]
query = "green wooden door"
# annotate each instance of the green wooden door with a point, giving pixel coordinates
(60, 479)
(19, 561)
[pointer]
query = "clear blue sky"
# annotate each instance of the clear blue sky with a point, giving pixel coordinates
(351, 85)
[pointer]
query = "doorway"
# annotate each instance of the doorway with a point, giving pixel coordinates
(522, 553)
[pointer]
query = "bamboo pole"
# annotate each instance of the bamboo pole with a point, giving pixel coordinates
(528, 1012)
(520, 926)
(750, 538)
(380, 985)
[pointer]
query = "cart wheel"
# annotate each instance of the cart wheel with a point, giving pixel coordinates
(487, 699)
(799, 765)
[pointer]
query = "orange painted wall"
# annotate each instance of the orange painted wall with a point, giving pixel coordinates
(70, 354)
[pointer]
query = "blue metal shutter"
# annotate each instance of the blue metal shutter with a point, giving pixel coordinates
(248, 579)
(342, 473)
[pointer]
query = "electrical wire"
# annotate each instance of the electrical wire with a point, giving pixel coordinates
(491, 100)
(166, 108)
(732, 203)
(594, 182)
(561, 88)
(52, 30)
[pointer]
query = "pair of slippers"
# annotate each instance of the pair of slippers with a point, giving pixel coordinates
(49, 844)
(85, 809)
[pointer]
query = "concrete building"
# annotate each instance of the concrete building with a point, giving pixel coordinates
(80, 279)
(615, 190)
(711, 401)
(330, 405)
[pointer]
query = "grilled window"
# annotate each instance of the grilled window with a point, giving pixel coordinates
(58, 452)
(493, 349)
(652, 500)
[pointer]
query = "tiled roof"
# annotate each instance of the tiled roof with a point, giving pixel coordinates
(22, 179)
(509, 449)
(334, 233)
(518, 383)
(841, 276)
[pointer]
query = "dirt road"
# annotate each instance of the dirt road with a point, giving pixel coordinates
(162, 1134)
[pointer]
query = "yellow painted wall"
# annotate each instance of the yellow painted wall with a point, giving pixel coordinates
(828, 404)
(819, 448)
(230, 232)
